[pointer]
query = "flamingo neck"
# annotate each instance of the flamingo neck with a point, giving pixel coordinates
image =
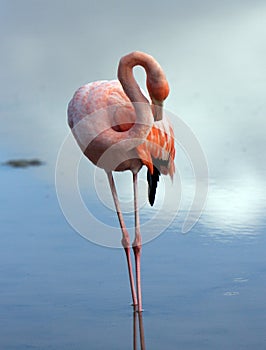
(126, 77)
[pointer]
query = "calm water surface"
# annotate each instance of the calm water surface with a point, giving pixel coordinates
(202, 290)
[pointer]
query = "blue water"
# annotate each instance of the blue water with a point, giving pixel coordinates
(202, 290)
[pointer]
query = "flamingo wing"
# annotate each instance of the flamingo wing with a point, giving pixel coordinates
(158, 153)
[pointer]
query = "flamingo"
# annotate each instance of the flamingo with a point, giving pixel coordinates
(119, 129)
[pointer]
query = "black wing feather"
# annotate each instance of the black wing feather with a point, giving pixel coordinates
(152, 182)
(153, 179)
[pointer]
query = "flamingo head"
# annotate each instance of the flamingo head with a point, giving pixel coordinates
(158, 90)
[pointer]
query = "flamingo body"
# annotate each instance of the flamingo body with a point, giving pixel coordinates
(102, 96)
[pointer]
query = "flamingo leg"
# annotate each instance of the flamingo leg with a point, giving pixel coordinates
(125, 237)
(137, 242)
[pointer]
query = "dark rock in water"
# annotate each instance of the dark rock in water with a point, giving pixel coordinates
(23, 163)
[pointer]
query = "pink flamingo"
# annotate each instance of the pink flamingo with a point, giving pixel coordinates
(118, 129)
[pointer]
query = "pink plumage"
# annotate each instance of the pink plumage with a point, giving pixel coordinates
(119, 129)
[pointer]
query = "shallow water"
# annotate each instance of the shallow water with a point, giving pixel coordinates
(202, 290)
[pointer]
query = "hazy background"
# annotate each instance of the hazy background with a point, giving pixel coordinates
(213, 53)
(206, 288)
(214, 56)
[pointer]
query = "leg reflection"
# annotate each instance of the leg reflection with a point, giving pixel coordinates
(135, 327)
(137, 318)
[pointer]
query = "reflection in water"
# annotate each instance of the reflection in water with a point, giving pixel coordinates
(234, 208)
(208, 304)
(138, 319)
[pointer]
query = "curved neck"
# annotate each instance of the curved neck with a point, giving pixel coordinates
(126, 77)
(144, 117)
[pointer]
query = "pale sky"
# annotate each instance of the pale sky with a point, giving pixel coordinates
(213, 53)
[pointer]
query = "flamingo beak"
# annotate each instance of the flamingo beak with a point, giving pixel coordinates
(157, 109)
